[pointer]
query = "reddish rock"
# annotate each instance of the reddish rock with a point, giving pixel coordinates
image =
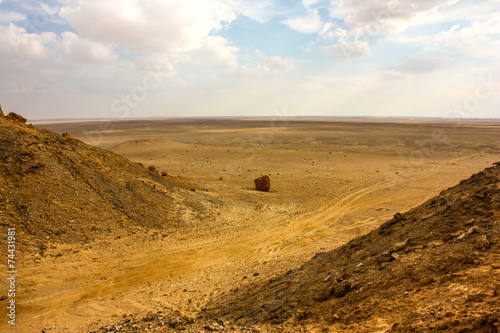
(263, 184)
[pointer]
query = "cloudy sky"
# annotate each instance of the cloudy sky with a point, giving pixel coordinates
(164, 58)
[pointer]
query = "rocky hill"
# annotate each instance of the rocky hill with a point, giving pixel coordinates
(56, 187)
(434, 268)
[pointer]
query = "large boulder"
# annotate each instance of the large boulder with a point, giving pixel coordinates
(263, 184)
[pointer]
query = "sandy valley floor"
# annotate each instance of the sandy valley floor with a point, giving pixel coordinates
(331, 180)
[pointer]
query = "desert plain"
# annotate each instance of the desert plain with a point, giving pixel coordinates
(332, 179)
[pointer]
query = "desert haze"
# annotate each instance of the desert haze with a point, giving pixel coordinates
(155, 225)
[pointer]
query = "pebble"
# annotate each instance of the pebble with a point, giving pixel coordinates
(399, 246)
(482, 242)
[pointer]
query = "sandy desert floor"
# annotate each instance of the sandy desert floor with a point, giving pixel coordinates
(331, 180)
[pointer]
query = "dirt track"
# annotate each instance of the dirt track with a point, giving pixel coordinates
(253, 235)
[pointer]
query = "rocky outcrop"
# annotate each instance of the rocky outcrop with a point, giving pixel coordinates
(15, 117)
(1, 111)
(263, 184)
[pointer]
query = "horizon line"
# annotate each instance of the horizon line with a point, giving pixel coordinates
(300, 117)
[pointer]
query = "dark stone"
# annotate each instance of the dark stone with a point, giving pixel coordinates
(263, 184)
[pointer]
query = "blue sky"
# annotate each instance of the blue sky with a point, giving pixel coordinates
(164, 58)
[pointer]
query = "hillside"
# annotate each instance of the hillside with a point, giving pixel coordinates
(56, 187)
(434, 268)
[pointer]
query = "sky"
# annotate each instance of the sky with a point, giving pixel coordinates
(121, 59)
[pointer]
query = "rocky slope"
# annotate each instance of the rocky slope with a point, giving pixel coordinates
(434, 268)
(59, 188)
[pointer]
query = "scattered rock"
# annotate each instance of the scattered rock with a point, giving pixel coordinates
(152, 168)
(467, 233)
(399, 246)
(476, 297)
(385, 257)
(336, 290)
(263, 184)
(455, 234)
(482, 242)
(177, 323)
(343, 289)
(470, 222)
(164, 174)
(67, 135)
(15, 117)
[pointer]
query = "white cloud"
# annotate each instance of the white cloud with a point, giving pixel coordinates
(216, 51)
(17, 44)
(260, 11)
(147, 26)
(83, 50)
(306, 24)
(379, 17)
(50, 49)
(465, 10)
(348, 51)
(369, 19)
(480, 40)
(421, 65)
(274, 63)
(175, 30)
